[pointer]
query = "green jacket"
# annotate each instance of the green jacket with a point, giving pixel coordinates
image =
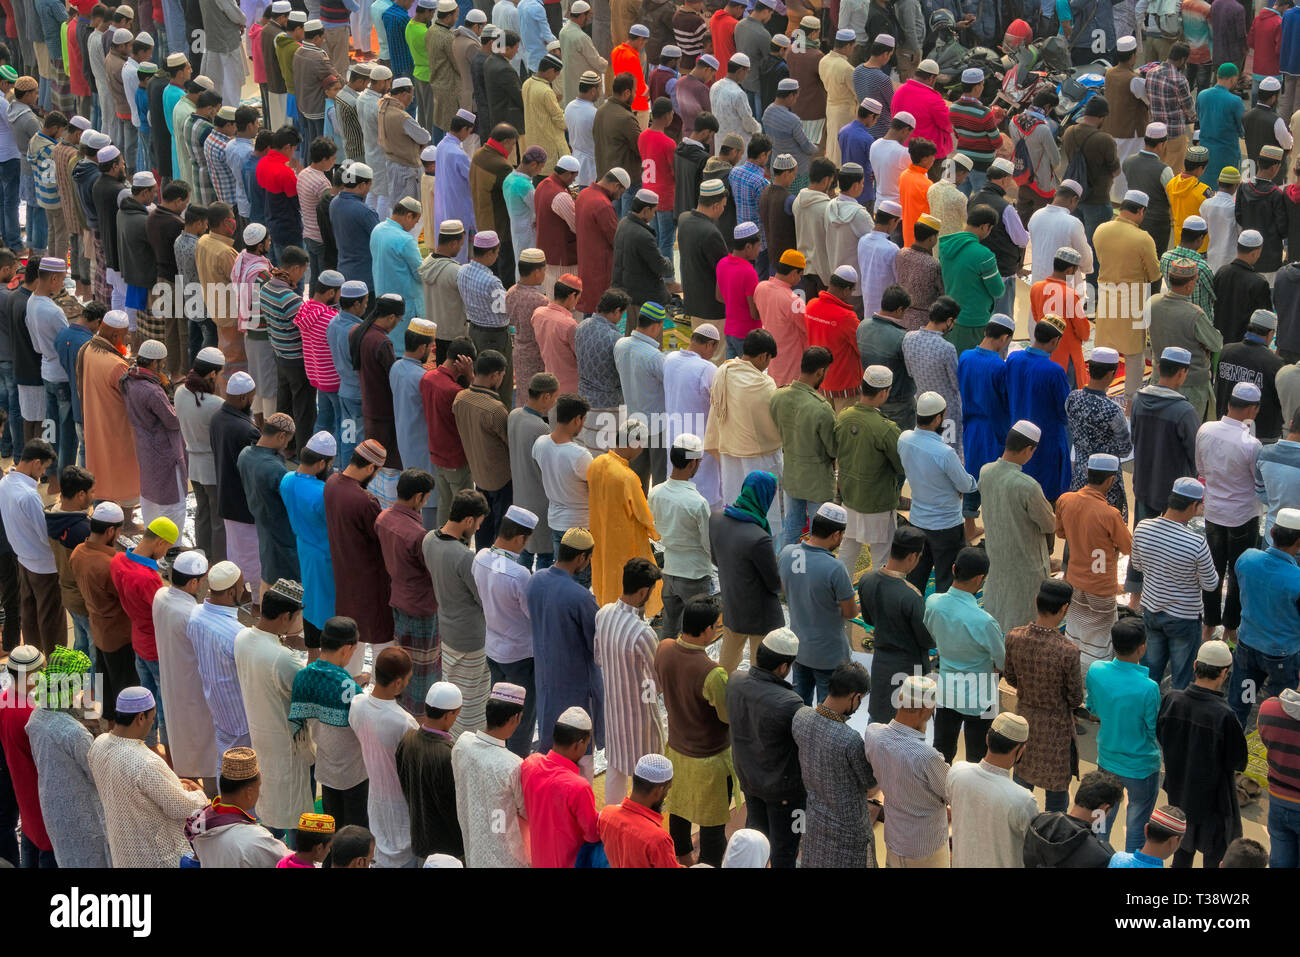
(807, 425)
(970, 275)
(870, 471)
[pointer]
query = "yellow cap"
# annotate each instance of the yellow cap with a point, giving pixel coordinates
(320, 823)
(792, 257)
(578, 538)
(165, 529)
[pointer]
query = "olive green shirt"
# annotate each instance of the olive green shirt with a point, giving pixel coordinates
(870, 471)
(806, 422)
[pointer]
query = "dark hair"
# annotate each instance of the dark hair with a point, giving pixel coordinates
(1168, 367)
(542, 383)
(1099, 476)
(1053, 595)
(1178, 502)
(759, 144)
(498, 713)
(944, 308)
(1099, 370)
(565, 735)
(1245, 852)
(758, 342)
(848, 679)
(1179, 51)
(640, 573)
(994, 330)
(822, 527)
(339, 632)
(700, 613)
(218, 213)
(1097, 788)
(274, 605)
(821, 168)
(285, 136)
(706, 121)
(37, 450)
(489, 362)
(208, 98)
(462, 346)
(245, 115)
(895, 298)
(509, 529)
(847, 178)
(392, 664)
(1129, 206)
(1128, 635)
(1017, 442)
(970, 563)
(883, 218)
(1210, 672)
(321, 148)
(919, 148)
(306, 841)
(74, 480)
(226, 786)
(1282, 537)
(815, 358)
(570, 406)
(624, 83)
(770, 660)
(350, 842)
(613, 299)
(1000, 743)
(194, 213)
(1046, 100)
(907, 541)
(413, 482)
(176, 189)
(467, 503)
(981, 215)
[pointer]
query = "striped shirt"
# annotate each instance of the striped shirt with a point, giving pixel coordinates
(1280, 734)
(747, 185)
(312, 320)
(279, 303)
(223, 180)
(1176, 567)
(395, 20)
(312, 184)
(975, 127)
(247, 274)
(40, 158)
(484, 296)
(914, 778)
(196, 131)
(212, 629)
(624, 648)
(871, 81)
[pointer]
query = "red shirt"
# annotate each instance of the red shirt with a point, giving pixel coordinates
(561, 809)
(625, 59)
(833, 324)
(274, 174)
(722, 27)
(737, 280)
(634, 836)
(15, 709)
(438, 390)
(136, 584)
(657, 148)
(401, 538)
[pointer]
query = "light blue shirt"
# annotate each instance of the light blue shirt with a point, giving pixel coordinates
(1270, 601)
(1277, 479)
(408, 412)
(682, 520)
(972, 650)
(396, 258)
(815, 582)
(238, 150)
(336, 337)
(24, 517)
(937, 478)
(503, 589)
(212, 630)
(534, 32)
(640, 367)
(377, 11)
(1123, 696)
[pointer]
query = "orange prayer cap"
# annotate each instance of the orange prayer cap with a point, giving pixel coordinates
(792, 257)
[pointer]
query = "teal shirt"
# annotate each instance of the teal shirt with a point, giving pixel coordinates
(396, 258)
(1136, 859)
(1220, 113)
(1127, 701)
(972, 650)
(170, 97)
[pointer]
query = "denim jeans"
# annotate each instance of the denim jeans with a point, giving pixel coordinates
(33, 857)
(1141, 794)
(11, 440)
(1283, 833)
(38, 227)
(1171, 641)
(666, 231)
(60, 395)
(150, 678)
(536, 562)
(1257, 676)
(1055, 801)
(1006, 303)
(805, 679)
(9, 229)
(798, 513)
(174, 21)
(315, 256)
(329, 412)
(975, 181)
(583, 577)
(735, 346)
(81, 635)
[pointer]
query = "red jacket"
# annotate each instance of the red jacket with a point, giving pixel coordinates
(137, 581)
(597, 222)
(15, 709)
(1265, 38)
(438, 390)
(833, 323)
(930, 110)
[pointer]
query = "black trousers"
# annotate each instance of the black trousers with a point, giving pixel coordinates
(941, 548)
(296, 396)
(347, 807)
(776, 820)
(713, 839)
(498, 503)
(1226, 545)
(652, 464)
(9, 601)
(948, 723)
(118, 669)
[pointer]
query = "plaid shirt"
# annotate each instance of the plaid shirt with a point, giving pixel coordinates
(196, 131)
(395, 20)
(1203, 293)
(483, 294)
(1170, 98)
(223, 180)
(747, 185)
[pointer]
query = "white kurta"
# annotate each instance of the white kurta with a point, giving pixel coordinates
(145, 804)
(1220, 214)
(266, 671)
(1050, 228)
(990, 815)
(238, 845)
(376, 159)
(379, 725)
(191, 738)
(688, 379)
(730, 105)
(489, 801)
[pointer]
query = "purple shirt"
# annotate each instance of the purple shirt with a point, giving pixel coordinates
(158, 444)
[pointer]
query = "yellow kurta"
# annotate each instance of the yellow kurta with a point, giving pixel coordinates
(544, 121)
(110, 440)
(836, 74)
(1126, 265)
(622, 526)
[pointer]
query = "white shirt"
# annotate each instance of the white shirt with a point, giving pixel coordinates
(489, 801)
(1050, 228)
(888, 160)
(990, 816)
(876, 256)
(1220, 215)
(688, 381)
(131, 83)
(380, 725)
(1225, 460)
(23, 514)
(191, 738)
(579, 117)
(564, 476)
(502, 588)
(239, 844)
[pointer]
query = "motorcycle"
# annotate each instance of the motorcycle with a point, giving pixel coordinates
(986, 59)
(1076, 89)
(1041, 66)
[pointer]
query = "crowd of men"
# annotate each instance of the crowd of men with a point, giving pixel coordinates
(417, 428)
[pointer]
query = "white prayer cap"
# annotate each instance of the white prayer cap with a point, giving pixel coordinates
(1003, 166)
(144, 38)
(575, 717)
(152, 349)
(402, 83)
(53, 264)
(1104, 355)
(672, 52)
(1270, 84)
(928, 66)
(1216, 654)
(692, 446)
(447, 6)
(443, 860)
(29, 658)
(506, 691)
(1071, 185)
(1103, 462)
(713, 187)
(654, 768)
(223, 575)
(833, 513)
(190, 563)
(709, 60)
(281, 6)
(298, 16)
(108, 154)
(1195, 224)
(356, 173)
(1011, 726)
(380, 73)
(782, 41)
(871, 105)
(929, 404)
(783, 641)
(354, 289)
(1137, 197)
(143, 179)
(918, 691)
(889, 207)
(748, 848)
(787, 85)
(122, 35)
(579, 7)
(521, 516)
(1028, 430)
(647, 196)
(745, 230)
(1157, 131)
(211, 355)
(480, 18)
(962, 159)
(707, 330)
(123, 12)
(1069, 255)
(906, 118)
(241, 383)
(845, 35)
(323, 443)
(878, 377)
(1189, 487)
(117, 319)
(254, 233)
(80, 123)
(1126, 44)
(444, 696)
(884, 39)
(1003, 320)
(1251, 239)
(205, 82)
(429, 154)
(620, 174)
(972, 75)
(134, 700)
(639, 30)
(1246, 392)
(1263, 318)
(109, 512)
(846, 273)
(568, 164)
(739, 59)
(1288, 518)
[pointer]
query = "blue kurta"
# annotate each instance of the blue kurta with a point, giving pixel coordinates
(396, 257)
(1220, 113)
(1036, 390)
(855, 147)
(336, 337)
(408, 412)
(563, 614)
(451, 195)
(304, 500)
(353, 222)
(982, 378)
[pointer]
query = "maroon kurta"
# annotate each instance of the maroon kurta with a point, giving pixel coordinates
(361, 583)
(377, 357)
(597, 223)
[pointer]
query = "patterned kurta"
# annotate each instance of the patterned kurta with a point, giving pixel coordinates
(932, 363)
(489, 801)
(1203, 291)
(1043, 666)
(1096, 424)
(70, 806)
(918, 272)
(837, 776)
(521, 302)
(625, 651)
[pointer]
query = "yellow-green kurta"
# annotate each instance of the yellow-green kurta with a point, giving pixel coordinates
(699, 791)
(1017, 521)
(621, 524)
(544, 121)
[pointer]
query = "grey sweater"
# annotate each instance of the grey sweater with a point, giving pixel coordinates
(461, 625)
(74, 817)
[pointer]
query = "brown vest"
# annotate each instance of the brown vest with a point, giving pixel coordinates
(1128, 115)
(397, 144)
(694, 728)
(554, 237)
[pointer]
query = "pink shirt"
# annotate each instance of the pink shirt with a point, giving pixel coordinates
(312, 320)
(255, 44)
(561, 809)
(737, 280)
(930, 110)
(781, 313)
(553, 326)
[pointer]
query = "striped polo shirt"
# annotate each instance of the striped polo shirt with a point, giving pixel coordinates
(1176, 567)
(312, 319)
(279, 303)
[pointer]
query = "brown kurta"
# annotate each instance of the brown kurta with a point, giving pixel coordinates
(362, 585)
(110, 442)
(1043, 666)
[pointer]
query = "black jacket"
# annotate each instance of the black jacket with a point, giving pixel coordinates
(748, 575)
(1252, 361)
(999, 242)
(505, 93)
(1261, 206)
(161, 145)
(232, 431)
(639, 268)
(163, 227)
(105, 193)
(1203, 747)
(1286, 297)
(688, 170)
(760, 709)
(134, 251)
(1058, 840)
(27, 361)
(1239, 290)
(1164, 427)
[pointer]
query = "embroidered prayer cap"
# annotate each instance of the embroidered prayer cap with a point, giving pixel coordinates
(316, 823)
(486, 239)
(205, 82)
(846, 273)
(918, 691)
(1288, 518)
(451, 227)
(444, 696)
(133, 700)
(223, 575)
(572, 281)
(655, 768)
(745, 230)
(1264, 318)
(1137, 197)
(402, 83)
(1103, 462)
(108, 154)
(1030, 431)
(109, 512)
(811, 23)
(1196, 156)
(1189, 487)
(845, 35)
(25, 84)
(281, 422)
(1003, 320)
(373, 452)
(429, 154)
(961, 159)
(239, 764)
(833, 513)
(783, 42)
(190, 563)
(423, 327)
(508, 692)
(298, 16)
(1271, 152)
(930, 404)
(792, 257)
(1126, 44)
(380, 73)
(652, 310)
(568, 164)
(1011, 726)
(712, 187)
(53, 264)
(928, 66)
(1229, 174)
(972, 75)
(27, 658)
(871, 105)
(241, 383)
(620, 174)
(1002, 166)
(1176, 354)
(148, 68)
(878, 377)
(1055, 327)
(691, 445)
(739, 59)
(708, 59)
(117, 319)
(123, 12)
(79, 123)
(708, 330)
(788, 85)
(323, 443)
(784, 162)
(1070, 255)
(522, 516)
(1070, 186)
(579, 7)
(1168, 816)
(575, 717)
(550, 62)
(254, 233)
(1216, 654)
(1227, 70)
(1156, 131)
(925, 219)
(1104, 355)
(1195, 224)
(1246, 392)
(1183, 268)
(410, 204)
(907, 119)
(122, 35)
(885, 40)
(1270, 84)
(783, 641)
(578, 538)
(281, 6)
(647, 196)
(288, 589)
(352, 289)
(165, 529)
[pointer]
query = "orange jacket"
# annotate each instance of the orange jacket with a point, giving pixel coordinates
(913, 195)
(625, 59)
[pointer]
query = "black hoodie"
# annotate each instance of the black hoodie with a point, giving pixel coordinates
(1058, 840)
(1164, 427)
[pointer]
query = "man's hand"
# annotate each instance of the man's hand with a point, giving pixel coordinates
(464, 367)
(189, 785)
